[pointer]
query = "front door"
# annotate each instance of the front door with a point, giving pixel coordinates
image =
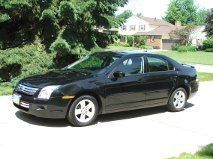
(126, 93)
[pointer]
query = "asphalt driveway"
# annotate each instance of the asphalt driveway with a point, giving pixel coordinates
(149, 133)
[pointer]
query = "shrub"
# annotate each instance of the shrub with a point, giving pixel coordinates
(146, 47)
(175, 47)
(209, 50)
(63, 53)
(120, 44)
(60, 46)
(18, 63)
(186, 49)
(141, 41)
(208, 43)
(130, 40)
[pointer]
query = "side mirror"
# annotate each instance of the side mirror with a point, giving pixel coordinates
(118, 74)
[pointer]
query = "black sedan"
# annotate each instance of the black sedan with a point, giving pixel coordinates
(107, 82)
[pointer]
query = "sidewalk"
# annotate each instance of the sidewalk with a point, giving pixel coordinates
(203, 68)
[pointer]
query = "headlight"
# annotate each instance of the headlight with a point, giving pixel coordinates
(46, 92)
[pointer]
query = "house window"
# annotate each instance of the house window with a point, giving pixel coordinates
(142, 27)
(152, 39)
(132, 27)
(124, 27)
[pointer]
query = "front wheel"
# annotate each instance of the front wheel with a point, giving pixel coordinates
(83, 111)
(177, 100)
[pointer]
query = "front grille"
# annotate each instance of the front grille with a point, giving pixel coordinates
(25, 105)
(26, 89)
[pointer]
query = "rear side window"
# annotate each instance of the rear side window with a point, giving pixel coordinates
(158, 64)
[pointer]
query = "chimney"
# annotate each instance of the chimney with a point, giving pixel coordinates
(178, 23)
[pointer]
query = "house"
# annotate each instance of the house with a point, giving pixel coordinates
(157, 31)
(198, 35)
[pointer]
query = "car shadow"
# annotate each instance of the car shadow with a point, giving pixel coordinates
(102, 118)
(136, 113)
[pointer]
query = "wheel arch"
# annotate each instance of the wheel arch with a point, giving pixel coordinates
(90, 93)
(186, 88)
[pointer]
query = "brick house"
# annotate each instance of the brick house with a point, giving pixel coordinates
(157, 31)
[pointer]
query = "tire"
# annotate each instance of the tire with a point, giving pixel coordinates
(83, 111)
(177, 100)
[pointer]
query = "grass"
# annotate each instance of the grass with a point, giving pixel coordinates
(205, 76)
(6, 90)
(205, 153)
(199, 57)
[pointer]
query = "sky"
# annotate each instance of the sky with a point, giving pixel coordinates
(156, 8)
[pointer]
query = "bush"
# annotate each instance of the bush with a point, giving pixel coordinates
(18, 63)
(130, 40)
(209, 50)
(60, 46)
(186, 49)
(63, 54)
(120, 44)
(208, 43)
(141, 41)
(175, 47)
(146, 47)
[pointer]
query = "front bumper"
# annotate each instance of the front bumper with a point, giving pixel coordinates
(55, 108)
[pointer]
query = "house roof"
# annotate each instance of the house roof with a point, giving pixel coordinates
(155, 21)
(162, 27)
(160, 30)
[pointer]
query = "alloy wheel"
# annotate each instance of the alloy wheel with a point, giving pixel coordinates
(85, 111)
(179, 99)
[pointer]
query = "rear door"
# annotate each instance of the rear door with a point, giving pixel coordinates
(160, 79)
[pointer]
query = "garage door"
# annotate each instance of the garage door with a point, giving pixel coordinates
(167, 43)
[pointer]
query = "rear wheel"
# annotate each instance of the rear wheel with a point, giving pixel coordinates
(177, 101)
(83, 111)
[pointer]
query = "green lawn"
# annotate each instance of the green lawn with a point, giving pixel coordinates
(5, 90)
(205, 153)
(205, 76)
(200, 57)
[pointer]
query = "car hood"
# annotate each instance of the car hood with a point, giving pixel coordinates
(57, 77)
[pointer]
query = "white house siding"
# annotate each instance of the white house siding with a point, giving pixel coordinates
(198, 36)
(134, 21)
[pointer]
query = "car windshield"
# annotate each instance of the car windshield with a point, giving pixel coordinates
(95, 62)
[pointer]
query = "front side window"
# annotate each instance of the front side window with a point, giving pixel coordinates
(131, 66)
(158, 64)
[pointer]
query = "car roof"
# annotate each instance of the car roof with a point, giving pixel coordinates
(134, 52)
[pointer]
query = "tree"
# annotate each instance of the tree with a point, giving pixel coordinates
(183, 34)
(209, 26)
(201, 16)
(21, 21)
(140, 14)
(181, 10)
(121, 18)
